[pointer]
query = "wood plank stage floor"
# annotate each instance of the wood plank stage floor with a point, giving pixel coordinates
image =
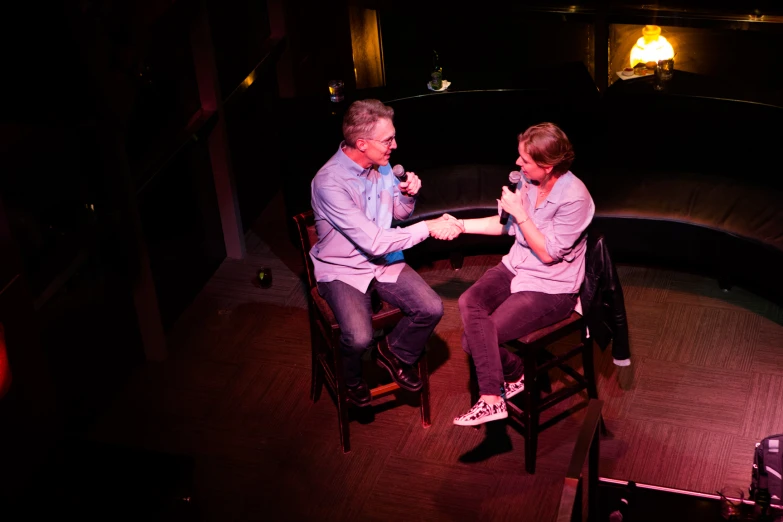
(705, 384)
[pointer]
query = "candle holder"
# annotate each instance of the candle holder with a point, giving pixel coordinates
(263, 277)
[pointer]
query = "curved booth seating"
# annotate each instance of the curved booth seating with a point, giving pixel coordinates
(696, 188)
(695, 184)
(715, 226)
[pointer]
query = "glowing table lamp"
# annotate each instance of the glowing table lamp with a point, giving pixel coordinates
(651, 47)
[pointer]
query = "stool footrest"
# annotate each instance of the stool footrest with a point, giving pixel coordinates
(560, 395)
(384, 389)
(559, 360)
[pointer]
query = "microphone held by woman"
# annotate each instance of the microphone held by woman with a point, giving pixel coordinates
(513, 180)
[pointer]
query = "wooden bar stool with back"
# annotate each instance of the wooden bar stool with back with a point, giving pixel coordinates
(325, 337)
(536, 351)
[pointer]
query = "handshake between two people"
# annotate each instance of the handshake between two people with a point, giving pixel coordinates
(512, 203)
(446, 227)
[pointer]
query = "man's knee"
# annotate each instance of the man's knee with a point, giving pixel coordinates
(357, 340)
(431, 310)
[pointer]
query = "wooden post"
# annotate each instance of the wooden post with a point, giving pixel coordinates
(220, 157)
(601, 43)
(139, 270)
(286, 86)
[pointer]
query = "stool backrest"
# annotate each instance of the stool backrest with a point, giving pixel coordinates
(596, 260)
(305, 224)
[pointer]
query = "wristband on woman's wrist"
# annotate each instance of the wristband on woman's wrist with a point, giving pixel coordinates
(524, 221)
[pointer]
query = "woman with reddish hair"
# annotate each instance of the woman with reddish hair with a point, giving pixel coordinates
(537, 283)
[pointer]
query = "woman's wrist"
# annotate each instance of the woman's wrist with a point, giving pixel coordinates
(522, 219)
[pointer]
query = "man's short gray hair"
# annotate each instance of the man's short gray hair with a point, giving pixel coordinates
(362, 117)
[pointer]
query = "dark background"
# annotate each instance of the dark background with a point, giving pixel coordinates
(95, 136)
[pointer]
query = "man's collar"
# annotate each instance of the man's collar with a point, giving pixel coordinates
(349, 164)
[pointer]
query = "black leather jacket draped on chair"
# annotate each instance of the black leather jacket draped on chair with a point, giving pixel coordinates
(603, 305)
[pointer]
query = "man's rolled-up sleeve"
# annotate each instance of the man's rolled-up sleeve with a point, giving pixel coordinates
(403, 205)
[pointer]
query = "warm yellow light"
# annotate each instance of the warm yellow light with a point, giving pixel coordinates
(651, 47)
(248, 81)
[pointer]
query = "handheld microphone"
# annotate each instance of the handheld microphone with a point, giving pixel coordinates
(513, 179)
(399, 172)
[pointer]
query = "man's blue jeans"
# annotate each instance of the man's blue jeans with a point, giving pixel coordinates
(491, 315)
(419, 303)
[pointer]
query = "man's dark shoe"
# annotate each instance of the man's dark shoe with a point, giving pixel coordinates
(403, 374)
(359, 395)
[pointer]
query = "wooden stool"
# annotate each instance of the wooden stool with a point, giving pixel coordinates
(325, 338)
(538, 360)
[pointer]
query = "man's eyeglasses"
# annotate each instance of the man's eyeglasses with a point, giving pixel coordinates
(386, 143)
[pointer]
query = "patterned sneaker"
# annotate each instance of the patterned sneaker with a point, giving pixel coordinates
(482, 412)
(513, 388)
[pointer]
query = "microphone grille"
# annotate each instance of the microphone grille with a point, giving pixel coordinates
(515, 176)
(398, 170)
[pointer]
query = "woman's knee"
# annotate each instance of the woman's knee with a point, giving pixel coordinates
(465, 344)
(468, 302)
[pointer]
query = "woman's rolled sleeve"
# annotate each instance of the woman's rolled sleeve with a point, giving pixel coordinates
(568, 224)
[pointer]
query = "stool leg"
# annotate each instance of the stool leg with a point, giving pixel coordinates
(342, 401)
(317, 374)
(342, 420)
(473, 386)
(531, 429)
(317, 380)
(588, 364)
(424, 394)
(532, 396)
(543, 379)
(473, 383)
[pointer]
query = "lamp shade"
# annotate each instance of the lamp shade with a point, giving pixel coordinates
(651, 47)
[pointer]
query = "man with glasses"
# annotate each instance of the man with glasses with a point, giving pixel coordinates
(355, 197)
